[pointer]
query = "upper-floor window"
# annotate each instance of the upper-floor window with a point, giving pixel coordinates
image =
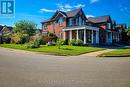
(80, 21)
(60, 20)
(77, 21)
(113, 27)
(109, 25)
(70, 21)
(83, 22)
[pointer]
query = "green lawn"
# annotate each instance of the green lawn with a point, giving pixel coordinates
(65, 50)
(117, 53)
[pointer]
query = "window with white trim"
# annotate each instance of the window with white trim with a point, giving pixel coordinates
(109, 25)
(70, 21)
(60, 20)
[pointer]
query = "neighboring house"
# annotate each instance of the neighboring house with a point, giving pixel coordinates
(121, 28)
(4, 30)
(38, 32)
(105, 25)
(1, 27)
(74, 25)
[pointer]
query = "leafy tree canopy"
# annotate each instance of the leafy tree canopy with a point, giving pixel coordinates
(25, 27)
(128, 31)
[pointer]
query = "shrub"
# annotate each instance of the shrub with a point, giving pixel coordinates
(79, 42)
(45, 40)
(72, 42)
(66, 42)
(59, 43)
(35, 44)
(19, 38)
(51, 44)
(52, 37)
(42, 39)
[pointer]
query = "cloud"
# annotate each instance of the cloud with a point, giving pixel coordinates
(125, 10)
(80, 6)
(63, 7)
(46, 10)
(89, 16)
(68, 7)
(93, 1)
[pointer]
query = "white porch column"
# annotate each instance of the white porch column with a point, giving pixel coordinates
(84, 36)
(64, 35)
(70, 34)
(97, 36)
(92, 37)
(77, 35)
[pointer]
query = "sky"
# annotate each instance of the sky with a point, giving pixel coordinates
(40, 10)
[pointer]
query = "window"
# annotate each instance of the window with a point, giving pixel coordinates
(70, 21)
(80, 21)
(60, 20)
(109, 25)
(83, 22)
(77, 21)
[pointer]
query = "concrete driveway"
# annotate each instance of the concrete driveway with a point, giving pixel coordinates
(27, 69)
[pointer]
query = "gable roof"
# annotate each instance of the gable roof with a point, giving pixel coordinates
(73, 12)
(100, 19)
(121, 26)
(66, 14)
(1, 27)
(113, 22)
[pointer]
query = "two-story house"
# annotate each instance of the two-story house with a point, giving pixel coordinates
(75, 25)
(120, 28)
(72, 25)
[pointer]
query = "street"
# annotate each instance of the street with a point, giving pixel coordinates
(28, 69)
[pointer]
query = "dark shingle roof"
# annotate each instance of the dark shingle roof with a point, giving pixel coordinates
(113, 22)
(1, 27)
(72, 13)
(100, 19)
(67, 14)
(9, 27)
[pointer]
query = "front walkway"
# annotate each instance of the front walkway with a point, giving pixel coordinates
(108, 49)
(95, 54)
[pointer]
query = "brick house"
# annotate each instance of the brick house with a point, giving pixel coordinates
(75, 25)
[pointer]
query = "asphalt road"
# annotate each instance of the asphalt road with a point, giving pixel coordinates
(26, 69)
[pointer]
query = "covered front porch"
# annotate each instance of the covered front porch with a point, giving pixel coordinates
(88, 34)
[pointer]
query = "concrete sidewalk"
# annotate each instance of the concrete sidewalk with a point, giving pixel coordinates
(94, 54)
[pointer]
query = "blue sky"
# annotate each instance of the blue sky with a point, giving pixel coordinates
(40, 10)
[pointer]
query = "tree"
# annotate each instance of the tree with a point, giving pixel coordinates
(23, 26)
(22, 30)
(128, 31)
